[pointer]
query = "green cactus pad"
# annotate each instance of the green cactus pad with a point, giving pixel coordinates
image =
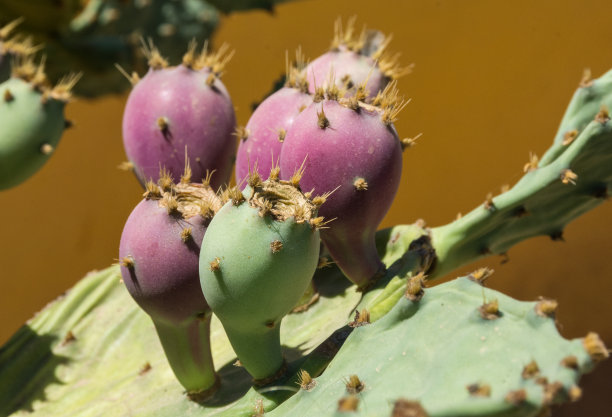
(31, 126)
(95, 352)
(543, 202)
(441, 353)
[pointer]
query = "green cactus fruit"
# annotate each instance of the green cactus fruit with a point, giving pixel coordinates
(453, 350)
(31, 121)
(545, 200)
(257, 259)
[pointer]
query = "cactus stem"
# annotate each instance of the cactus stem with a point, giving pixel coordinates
(531, 370)
(360, 184)
(516, 397)
(490, 310)
(595, 347)
(8, 96)
(276, 246)
(361, 318)
(479, 390)
(546, 308)
(46, 149)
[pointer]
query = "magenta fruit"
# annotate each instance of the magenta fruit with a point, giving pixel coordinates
(355, 59)
(351, 152)
(159, 252)
(174, 111)
(262, 139)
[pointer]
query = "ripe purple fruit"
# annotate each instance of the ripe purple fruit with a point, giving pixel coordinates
(262, 139)
(351, 153)
(355, 59)
(159, 252)
(174, 111)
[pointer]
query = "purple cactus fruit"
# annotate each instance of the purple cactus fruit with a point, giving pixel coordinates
(159, 252)
(174, 111)
(262, 138)
(351, 154)
(355, 60)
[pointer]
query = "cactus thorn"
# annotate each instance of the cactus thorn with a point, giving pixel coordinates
(320, 222)
(414, 288)
(162, 124)
(241, 133)
(569, 136)
(409, 142)
(488, 204)
(586, 80)
(361, 318)
(6, 30)
(208, 176)
(210, 80)
(215, 265)
(570, 362)
(190, 58)
(127, 262)
(603, 116)
(186, 234)
(68, 338)
(126, 166)
(546, 308)
(531, 370)
(274, 173)
(504, 188)
(46, 149)
(282, 133)
(322, 120)
(360, 184)
(574, 393)
(234, 194)
(490, 310)
(134, 78)
(276, 246)
(145, 369)
(532, 165)
(348, 403)
(406, 408)
(354, 385)
(557, 236)
(171, 204)
(595, 347)
(516, 397)
(319, 95)
(568, 176)
(324, 262)
(165, 181)
(151, 191)
(297, 175)
(8, 96)
(154, 58)
(305, 381)
(479, 390)
(481, 275)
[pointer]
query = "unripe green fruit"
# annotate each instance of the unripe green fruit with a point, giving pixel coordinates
(256, 260)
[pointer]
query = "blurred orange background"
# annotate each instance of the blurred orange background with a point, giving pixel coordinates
(491, 82)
